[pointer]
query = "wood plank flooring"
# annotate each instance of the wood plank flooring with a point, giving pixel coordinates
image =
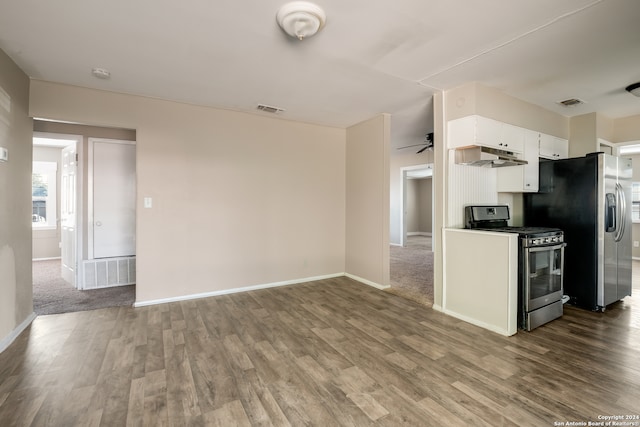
(326, 353)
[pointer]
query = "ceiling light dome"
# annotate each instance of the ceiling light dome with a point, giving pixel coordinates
(301, 19)
(634, 89)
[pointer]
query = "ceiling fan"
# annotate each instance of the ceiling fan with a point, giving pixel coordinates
(426, 145)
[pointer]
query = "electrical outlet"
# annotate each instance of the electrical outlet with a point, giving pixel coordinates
(636, 244)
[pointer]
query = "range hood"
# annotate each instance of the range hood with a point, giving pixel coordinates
(487, 157)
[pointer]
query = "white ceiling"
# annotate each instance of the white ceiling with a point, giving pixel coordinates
(373, 56)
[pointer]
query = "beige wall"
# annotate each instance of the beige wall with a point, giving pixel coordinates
(238, 199)
(425, 192)
(413, 206)
(583, 138)
(627, 129)
(396, 163)
(474, 98)
(367, 213)
(419, 203)
(16, 305)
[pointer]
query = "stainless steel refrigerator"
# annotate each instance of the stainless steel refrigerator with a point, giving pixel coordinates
(589, 198)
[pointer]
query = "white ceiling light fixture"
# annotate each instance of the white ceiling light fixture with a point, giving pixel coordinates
(301, 19)
(634, 89)
(101, 73)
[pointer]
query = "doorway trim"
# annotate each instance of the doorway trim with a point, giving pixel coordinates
(404, 172)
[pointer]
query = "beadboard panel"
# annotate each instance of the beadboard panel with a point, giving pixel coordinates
(468, 185)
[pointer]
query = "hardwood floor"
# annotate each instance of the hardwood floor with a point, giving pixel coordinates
(327, 353)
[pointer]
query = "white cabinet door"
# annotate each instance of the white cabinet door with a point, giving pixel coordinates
(511, 138)
(531, 169)
(477, 130)
(462, 132)
(519, 179)
(553, 148)
(488, 132)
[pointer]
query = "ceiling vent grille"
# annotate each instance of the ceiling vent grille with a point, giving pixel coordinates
(270, 109)
(571, 102)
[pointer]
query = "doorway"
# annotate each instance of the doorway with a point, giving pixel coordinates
(411, 262)
(61, 237)
(417, 202)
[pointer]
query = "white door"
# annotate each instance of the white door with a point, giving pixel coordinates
(68, 213)
(113, 198)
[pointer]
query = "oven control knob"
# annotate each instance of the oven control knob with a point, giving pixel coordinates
(534, 241)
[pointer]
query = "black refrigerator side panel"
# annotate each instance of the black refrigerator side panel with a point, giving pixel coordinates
(568, 200)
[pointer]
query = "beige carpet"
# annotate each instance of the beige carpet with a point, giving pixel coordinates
(52, 295)
(411, 269)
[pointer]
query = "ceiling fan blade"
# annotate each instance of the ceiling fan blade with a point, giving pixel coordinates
(414, 145)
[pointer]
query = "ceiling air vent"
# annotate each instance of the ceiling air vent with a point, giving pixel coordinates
(571, 102)
(270, 109)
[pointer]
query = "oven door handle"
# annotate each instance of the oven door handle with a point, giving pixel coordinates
(547, 248)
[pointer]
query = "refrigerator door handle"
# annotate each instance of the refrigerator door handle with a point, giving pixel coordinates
(622, 201)
(610, 213)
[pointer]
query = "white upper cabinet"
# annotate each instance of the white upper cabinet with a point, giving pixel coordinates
(477, 130)
(522, 179)
(553, 148)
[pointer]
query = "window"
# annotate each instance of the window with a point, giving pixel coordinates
(43, 193)
(635, 205)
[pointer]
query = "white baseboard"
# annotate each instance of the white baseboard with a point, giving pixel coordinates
(367, 282)
(46, 259)
(6, 341)
(419, 233)
(255, 288)
(493, 328)
(234, 290)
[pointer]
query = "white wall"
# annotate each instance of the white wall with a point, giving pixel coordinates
(46, 242)
(16, 307)
(635, 228)
(238, 199)
(367, 209)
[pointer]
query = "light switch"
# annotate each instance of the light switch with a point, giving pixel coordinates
(4, 154)
(148, 202)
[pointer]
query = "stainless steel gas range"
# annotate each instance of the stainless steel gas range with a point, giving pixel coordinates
(540, 263)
